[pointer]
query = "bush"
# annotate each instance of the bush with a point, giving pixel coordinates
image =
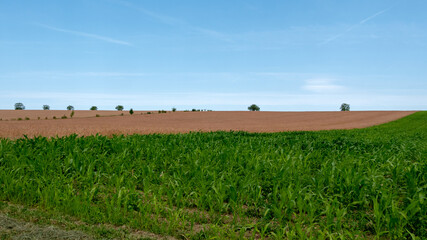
(64, 117)
(27, 118)
(72, 113)
(119, 108)
(253, 107)
(94, 108)
(345, 107)
(19, 106)
(148, 112)
(70, 108)
(54, 117)
(19, 119)
(46, 107)
(131, 111)
(97, 115)
(173, 109)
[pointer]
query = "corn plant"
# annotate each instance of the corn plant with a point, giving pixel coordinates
(340, 184)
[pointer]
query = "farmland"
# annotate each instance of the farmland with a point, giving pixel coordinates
(49, 114)
(86, 123)
(354, 184)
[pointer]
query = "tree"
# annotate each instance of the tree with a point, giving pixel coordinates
(72, 113)
(94, 108)
(173, 109)
(70, 108)
(119, 108)
(131, 111)
(46, 107)
(253, 107)
(19, 106)
(345, 107)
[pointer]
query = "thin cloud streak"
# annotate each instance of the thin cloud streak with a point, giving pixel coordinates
(84, 34)
(354, 26)
(176, 22)
(322, 86)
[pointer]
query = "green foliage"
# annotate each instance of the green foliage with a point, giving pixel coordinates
(64, 117)
(72, 113)
(341, 184)
(173, 109)
(54, 117)
(131, 111)
(345, 107)
(253, 107)
(93, 108)
(70, 108)
(119, 108)
(46, 107)
(19, 119)
(97, 115)
(27, 118)
(19, 106)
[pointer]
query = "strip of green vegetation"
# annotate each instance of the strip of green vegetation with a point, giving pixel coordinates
(366, 183)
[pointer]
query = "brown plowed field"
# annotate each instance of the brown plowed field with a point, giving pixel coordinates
(181, 122)
(36, 114)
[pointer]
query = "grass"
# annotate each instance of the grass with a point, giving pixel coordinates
(341, 184)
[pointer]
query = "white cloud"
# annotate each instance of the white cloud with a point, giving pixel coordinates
(322, 85)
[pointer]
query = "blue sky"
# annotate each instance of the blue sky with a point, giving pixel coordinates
(307, 55)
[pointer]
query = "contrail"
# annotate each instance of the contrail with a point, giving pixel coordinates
(354, 26)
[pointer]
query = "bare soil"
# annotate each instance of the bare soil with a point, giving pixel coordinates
(182, 122)
(43, 114)
(15, 229)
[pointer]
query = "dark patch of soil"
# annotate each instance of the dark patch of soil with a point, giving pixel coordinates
(15, 229)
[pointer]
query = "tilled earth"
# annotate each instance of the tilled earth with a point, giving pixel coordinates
(182, 122)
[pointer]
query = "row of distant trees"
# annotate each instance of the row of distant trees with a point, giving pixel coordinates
(21, 106)
(253, 107)
(343, 107)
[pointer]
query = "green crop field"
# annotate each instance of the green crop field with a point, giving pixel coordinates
(342, 184)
